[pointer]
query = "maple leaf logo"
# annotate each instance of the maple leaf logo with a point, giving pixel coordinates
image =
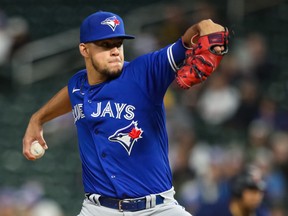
(135, 133)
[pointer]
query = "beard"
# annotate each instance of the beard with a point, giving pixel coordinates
(108, 73)
(111, 74)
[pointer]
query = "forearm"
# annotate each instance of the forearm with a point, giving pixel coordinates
(56, 106)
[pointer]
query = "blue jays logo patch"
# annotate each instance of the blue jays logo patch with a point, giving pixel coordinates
(112, 22)
(127, 136)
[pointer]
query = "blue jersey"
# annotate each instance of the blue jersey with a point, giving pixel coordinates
(121, 128)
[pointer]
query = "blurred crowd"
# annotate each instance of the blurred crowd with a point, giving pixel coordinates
(27, 200)
(215, 129)
(231, 121)
(14, 33)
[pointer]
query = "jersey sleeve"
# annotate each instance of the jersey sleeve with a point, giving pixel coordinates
(155, 71)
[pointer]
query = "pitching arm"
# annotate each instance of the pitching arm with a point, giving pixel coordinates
(56, 106)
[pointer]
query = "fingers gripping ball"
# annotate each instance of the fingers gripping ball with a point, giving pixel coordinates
(37, 150)
(202, 59)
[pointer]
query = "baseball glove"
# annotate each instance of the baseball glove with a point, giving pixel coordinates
(202, 59)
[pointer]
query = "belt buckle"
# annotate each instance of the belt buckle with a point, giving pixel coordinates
(120, 204)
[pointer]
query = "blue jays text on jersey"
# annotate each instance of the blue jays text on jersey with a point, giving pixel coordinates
(105, 110)
(121, 126)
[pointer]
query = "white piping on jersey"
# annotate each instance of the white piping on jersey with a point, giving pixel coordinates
(171, 58)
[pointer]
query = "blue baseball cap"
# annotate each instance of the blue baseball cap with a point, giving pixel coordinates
(102, 25)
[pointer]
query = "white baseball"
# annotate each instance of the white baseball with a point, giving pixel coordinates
(36, 149)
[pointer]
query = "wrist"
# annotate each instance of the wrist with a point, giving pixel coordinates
(36, 119)
(185, 44)
(192, 41)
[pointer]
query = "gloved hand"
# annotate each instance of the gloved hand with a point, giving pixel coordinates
(202, 59)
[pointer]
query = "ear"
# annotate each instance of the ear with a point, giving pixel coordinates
(84, 50)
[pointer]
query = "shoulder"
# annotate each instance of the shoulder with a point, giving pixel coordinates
(81, 73)
(77, 76)
(77, 80)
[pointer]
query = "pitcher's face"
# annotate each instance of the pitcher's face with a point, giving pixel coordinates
(106, 57)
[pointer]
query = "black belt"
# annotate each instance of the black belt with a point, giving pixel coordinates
(125, 204)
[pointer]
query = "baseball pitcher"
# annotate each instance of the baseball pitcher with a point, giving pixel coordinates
(119, 114)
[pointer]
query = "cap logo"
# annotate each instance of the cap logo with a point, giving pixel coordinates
(112, 22)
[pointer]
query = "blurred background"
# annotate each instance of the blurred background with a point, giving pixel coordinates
(237, 118)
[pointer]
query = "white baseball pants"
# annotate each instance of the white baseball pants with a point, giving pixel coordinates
(170, 207)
